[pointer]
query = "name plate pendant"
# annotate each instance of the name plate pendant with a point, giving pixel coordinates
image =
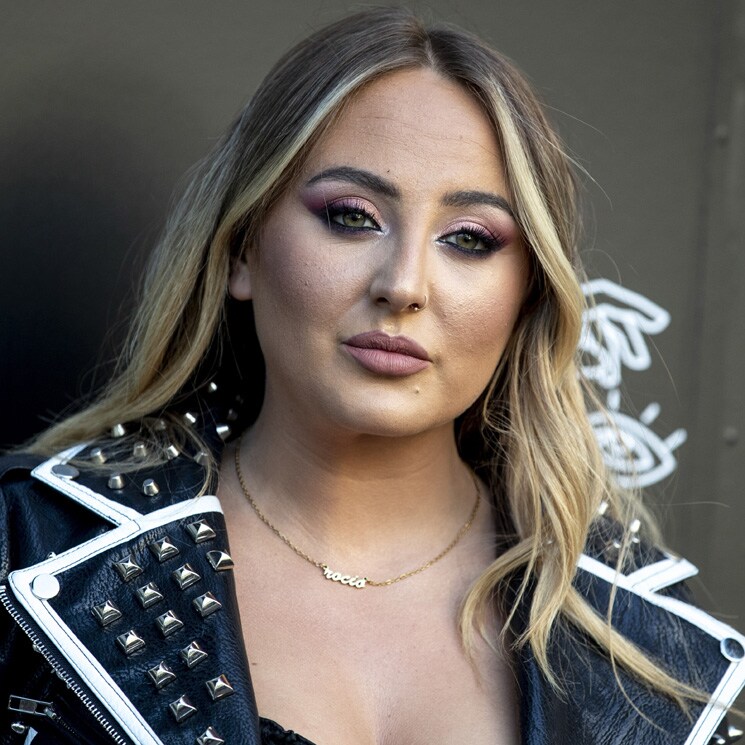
(350, 580)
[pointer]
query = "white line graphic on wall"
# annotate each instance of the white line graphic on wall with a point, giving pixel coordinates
(614, 336)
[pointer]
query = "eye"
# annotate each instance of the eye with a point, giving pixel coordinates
(350, 216)
(352, 219)
(473, 241)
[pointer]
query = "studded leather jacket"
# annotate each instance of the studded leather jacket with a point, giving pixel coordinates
(119, 622)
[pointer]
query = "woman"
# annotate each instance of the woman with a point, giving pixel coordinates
(370, 293)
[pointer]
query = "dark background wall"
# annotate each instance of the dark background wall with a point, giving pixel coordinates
(104, 106)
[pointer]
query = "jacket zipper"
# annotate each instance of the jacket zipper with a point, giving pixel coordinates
(32, 707)
(59, 669)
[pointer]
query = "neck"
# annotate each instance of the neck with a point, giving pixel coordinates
(353, 497)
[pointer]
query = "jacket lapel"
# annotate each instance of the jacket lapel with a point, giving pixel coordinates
(145, 618)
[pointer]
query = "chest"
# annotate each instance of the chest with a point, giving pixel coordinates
(375, 667)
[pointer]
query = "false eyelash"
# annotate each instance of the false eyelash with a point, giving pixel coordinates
(491, 242)
(340, 207)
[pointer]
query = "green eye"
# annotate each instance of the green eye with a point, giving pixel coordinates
(473, 242)
(353, 220)
(468, 241)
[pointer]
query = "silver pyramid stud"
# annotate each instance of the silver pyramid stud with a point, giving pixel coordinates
(21, 729)
(182, 708)
(202, 457)
(163, 549)
(232, 415)
(97, 456)
(130, 642)
(106, 613)
(65, 471)
(139, 451)
(185, 576)
(149, 595)
(220, 561)
(169, 623)
(219, 687)
(128, 568)
(116, 481)
(223, 430)
(118, 430)
(734, 733)
(171, 451)
(150, 488)
(200, 531)
(161, 675)
(603, 508)
(159, 425)
(212, 387)
(189, 419)
(210, 737)
(206, 604)
(193, 654)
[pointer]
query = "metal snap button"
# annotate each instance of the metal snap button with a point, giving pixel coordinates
(65, 471)
(45, 586)
(732, 649)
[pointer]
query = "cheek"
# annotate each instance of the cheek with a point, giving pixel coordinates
(482, 342)
(302, 285)
(287, 280)
(483, 319)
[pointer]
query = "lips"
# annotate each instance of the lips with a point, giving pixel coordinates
(394, 356)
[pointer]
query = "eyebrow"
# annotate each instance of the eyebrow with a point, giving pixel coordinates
(467, 198)
(359, 177)
(380, 185)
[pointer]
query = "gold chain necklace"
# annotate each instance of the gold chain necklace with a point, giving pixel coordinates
(351, 580)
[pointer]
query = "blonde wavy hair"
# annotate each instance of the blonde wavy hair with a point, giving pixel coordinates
(528, 433)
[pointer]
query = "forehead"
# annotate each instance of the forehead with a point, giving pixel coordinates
(415, 127)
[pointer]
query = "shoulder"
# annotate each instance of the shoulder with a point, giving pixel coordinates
(35, 519)
(107, 478)
(50, 505)
(650, 604)
(134, 471)
(623, 558)
(17, 465)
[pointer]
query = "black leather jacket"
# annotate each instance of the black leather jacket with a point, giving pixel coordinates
(119, 623)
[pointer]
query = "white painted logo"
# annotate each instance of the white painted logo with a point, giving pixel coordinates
(614, 337)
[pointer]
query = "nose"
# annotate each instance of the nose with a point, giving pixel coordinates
(401, 281)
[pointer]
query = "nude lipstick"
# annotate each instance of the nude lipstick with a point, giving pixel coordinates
(394, 356)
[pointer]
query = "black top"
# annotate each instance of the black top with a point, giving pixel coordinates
(273, 734)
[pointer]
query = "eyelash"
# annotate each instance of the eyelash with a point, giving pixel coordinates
(491, 242)
(346, 207)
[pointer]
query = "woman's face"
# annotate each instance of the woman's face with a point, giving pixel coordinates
(387, 280)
